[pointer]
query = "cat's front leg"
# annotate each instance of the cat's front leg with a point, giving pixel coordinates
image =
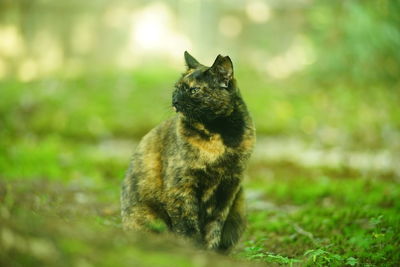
(183, 209)
(234, 224)
(214, 229)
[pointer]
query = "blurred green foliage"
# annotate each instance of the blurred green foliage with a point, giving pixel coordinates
(77, 92)
(357, 42)
(121, 105)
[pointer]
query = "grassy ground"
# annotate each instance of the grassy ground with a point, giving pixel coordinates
(65, 145)
(296, 216)
(322, 216)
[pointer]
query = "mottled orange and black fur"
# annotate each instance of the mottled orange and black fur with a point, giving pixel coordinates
(186, 173)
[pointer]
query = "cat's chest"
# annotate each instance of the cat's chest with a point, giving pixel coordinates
(206, 149)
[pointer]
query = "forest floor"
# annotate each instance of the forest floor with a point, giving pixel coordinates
(307, 205)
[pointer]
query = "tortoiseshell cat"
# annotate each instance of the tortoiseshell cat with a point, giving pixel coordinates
(186, 173)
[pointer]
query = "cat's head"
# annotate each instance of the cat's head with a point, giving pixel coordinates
(205, 93)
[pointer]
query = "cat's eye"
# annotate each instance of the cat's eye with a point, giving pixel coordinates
(194, 90)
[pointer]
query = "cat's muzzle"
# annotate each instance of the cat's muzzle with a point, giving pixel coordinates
(175, 105)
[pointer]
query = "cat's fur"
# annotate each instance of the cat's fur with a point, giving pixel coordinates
(186, 173)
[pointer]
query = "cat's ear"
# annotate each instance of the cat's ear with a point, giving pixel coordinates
(223, 68)
(191, 62)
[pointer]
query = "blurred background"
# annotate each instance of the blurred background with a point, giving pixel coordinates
(82, 81)
(319, 72)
